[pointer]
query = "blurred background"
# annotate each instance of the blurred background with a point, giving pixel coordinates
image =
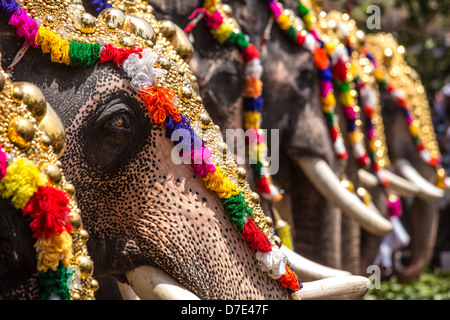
(423, 28)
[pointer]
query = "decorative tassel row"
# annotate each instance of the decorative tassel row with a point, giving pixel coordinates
(340, 70)
(47, 210)
(252, 93)
(308, 41)
(270, 259)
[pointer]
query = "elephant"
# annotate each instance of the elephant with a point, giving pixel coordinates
(290, 105)
(147, 219)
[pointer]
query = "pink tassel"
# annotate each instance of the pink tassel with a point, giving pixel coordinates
(26, 27)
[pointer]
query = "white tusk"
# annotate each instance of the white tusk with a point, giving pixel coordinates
(447, 183)
(367, 179)
(335, 288)
(428, 191)
(127, 291)
(151, 283)
(403, 187)
(308, 270)
(327, 183)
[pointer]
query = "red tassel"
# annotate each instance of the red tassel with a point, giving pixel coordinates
(255, 238)
(251, 52)
(118, 55)
(159, 101)
(263, 185)
(340, 71)
(48, 212)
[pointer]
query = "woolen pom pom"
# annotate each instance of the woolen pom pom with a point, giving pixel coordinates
(21, 182)
(48, 212)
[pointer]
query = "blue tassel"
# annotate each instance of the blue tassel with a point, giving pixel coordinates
(8, 7)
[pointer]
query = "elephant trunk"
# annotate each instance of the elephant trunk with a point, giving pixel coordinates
(328, 184)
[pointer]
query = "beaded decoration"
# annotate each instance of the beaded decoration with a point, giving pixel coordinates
(226, 31)
(165, 83)
(32, 179)
(404, 86)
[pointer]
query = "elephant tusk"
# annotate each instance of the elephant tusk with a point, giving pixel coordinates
(403, 187)
(127, 291)
(335, 288)
(308, 270)
(151, 283)
(327, 183)
(367, 179)
(427, 191)
(447, 183)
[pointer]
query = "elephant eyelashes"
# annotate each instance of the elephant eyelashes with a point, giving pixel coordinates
(112, 136)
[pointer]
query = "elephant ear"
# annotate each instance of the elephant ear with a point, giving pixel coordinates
(31, 179)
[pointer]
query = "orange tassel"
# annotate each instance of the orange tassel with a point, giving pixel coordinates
(321, 59)
(253, 88)
(160, 102)
(289, 280)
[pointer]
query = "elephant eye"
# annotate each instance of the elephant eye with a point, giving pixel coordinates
(112, 136)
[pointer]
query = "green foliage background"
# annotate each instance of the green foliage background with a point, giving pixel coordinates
(432, 285)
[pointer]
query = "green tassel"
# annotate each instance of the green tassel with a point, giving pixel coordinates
(83, 54)
(302, 9)
(257, 169)
(238, 39)
(236, 208)
(54, 282)
(292, 32)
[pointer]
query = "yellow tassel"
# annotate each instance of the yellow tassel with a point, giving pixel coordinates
(210, 5)
(252, 120)
(21, 181)
(413, 129)
(346, 98)
(52, 250)
(220, 184)
(353, 137)
(53, 44)
(222, 33)
(329, 101)
(283, 21)
(378, 75)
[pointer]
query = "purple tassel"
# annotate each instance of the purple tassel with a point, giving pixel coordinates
(8, 7)
(100, 5)
(200, 155)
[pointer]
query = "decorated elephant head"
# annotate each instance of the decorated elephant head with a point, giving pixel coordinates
(140, 209)
(43, 251)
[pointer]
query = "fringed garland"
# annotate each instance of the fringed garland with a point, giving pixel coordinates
(341, 68)
(49, 216)
(162, 109)
(252, 94)
(309, 41)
